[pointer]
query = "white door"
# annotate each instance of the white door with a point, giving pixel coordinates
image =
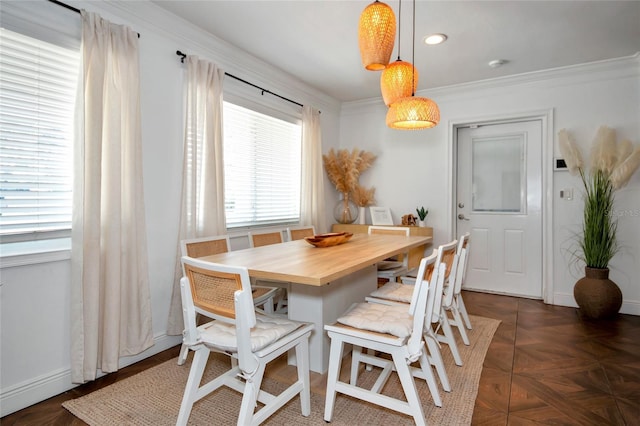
(499, 201)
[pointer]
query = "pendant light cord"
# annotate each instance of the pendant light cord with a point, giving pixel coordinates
(399, 25)
(413, 53)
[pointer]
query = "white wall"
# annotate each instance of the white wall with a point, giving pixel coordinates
(34, 294)
(414, 167)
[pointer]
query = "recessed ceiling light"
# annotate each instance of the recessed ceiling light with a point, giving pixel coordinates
(435, 38)
(497, 63)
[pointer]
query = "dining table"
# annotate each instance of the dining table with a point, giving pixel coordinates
(323, 281)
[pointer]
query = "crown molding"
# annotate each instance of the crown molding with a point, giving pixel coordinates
(616, 68)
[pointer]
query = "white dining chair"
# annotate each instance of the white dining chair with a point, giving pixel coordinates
(263, 297)
(251, 339)
(266, 238)
(392, 329)
(399, 293)
(392, 269)
(300, 232)
(463, 252)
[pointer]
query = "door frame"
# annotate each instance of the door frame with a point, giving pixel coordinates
(546, 118)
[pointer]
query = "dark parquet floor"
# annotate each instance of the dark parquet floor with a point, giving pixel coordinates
(546, 366)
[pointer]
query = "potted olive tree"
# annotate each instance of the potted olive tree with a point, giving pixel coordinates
(612, 166)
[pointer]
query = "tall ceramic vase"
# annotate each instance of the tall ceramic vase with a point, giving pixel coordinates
(362, 215)
(596, 295)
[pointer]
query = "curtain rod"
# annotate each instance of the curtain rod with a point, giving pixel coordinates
(263, 90)
(76, 10)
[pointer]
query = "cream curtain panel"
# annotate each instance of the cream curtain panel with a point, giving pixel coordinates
(312, 206)
(202, 203)
(110, 300)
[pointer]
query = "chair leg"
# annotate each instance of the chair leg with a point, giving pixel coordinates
(449, 338)
(184, 351)
(425, 366)
(302, 361)
(193, 383)
(463, 311)
(333, 373)
(250, 396)
(457, 321)
(356, 351)
(436, 359)
(409, 387)
(268, 306)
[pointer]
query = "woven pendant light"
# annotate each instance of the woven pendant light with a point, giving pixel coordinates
(412, 113)
(376, 35)
(396, 78)
(395, 81)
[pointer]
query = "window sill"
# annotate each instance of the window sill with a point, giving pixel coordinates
(34, 252)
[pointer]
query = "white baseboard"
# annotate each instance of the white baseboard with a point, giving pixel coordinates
(38, 389)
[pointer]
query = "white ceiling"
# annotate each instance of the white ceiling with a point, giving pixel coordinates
(317, 40)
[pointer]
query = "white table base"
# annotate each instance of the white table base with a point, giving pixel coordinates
(323, 305)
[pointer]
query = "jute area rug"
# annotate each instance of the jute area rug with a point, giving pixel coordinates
(153, 397)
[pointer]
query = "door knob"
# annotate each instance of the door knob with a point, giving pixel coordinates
(461, 217)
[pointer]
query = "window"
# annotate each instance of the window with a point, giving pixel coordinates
(38, 83)
(262, 160)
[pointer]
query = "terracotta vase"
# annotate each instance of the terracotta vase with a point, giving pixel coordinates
(596, 295)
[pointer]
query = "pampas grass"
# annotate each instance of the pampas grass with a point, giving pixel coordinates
(612, 166)
(570, 152)
(622, 173)
(362, 196)
(344, 167)
(604, 150)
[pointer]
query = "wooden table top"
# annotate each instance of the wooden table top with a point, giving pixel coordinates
(300, 262)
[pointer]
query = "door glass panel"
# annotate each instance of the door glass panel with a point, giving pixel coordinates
(498, 183)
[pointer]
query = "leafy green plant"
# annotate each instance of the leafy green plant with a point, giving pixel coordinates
(612, 165)
(598, 242)
(422, 213)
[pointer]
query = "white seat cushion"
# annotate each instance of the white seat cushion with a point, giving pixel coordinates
(385, 265)
(268, 329)
(395, 291)
(390, 319)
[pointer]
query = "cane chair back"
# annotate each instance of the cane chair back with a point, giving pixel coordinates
(259, 239)
(300, 233)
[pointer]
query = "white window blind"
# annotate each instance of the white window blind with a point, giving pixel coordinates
(262, 160)
(38, 84)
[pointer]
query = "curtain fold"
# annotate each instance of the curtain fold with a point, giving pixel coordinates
(312, 205)
(110, 296)
(202, 205)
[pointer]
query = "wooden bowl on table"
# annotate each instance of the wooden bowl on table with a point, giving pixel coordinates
(330, 239)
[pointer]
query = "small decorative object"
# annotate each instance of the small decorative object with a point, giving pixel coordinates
(612, 166)
(330, 239)
(343, 169)
(381, 216)
(422, 214)
(409, 220)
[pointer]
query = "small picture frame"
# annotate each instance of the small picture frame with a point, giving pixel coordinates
(381, 216)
